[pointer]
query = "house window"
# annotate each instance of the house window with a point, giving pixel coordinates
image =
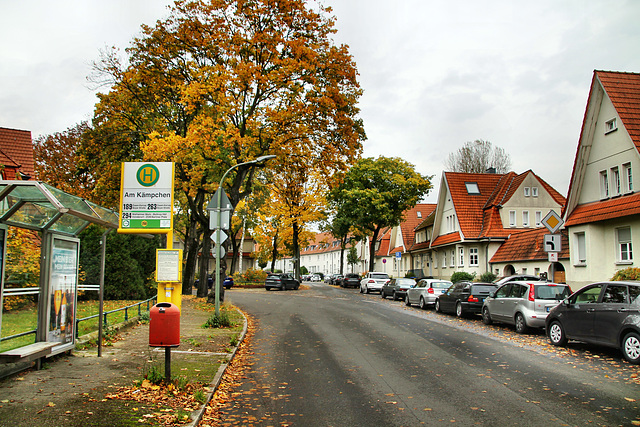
(461, 257)
(525, 218)
(472, 187)
(628, 177)
(524, 270)
(538, 218)
(435, 261)
(453, 258)
(615, 181)
(536, 271)
(623, 236)
(527, 191)
(534, 191)
(419, 214)
(581, 248)
(512, 218)
(610, 126)
(473, 257)
(604, 185)
(444, 259)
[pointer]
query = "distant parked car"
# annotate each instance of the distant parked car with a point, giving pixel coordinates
(397, 288)
(315, 278)
(463, 298)
(335, 280)
(209, 282)
(604, 313)
(524, 304)
(425, 292)
(282, 281)
(228, 282)
(373, 282)
(350, 280)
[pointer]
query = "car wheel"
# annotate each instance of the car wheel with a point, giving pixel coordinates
(438, 309)
(459, 310)
(556, 334)
(486, 316)
(631, 348)
(423, 305)
(407, 302)
(521, 325)
(361, 289)
(366, 291)
(395, 296)
(283, 287)
(382, 294)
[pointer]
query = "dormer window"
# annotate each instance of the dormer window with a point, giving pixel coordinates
(472, 187)
(610, 126)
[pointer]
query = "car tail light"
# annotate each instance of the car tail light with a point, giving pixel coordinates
(372, 281)
(430, 290)
(532, 290)
(473, 299)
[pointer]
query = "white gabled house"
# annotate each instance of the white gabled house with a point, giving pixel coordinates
(601, 214)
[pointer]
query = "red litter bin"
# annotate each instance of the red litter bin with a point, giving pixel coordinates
(164, 326)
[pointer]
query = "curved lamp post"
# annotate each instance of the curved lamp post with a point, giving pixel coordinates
(257, 161)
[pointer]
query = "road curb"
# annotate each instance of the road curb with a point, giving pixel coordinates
(197, 416)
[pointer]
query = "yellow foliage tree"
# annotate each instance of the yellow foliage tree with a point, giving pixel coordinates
(22, 268)
(222, 82)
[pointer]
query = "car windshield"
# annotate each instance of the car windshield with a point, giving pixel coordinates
(552, 292)
(440, 285)
(273, 276)
(405, 282)
(380, 276)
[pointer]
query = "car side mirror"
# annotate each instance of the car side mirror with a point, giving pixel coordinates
(492, 294)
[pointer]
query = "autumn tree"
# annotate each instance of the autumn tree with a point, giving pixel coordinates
(477, 157)
(57, 161)
(375, 194)
(219, 83)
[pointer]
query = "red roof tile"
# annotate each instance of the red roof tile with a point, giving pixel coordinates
(446, 239)
(16, 151)
(528, 245)
(602, 210)
(412, 220)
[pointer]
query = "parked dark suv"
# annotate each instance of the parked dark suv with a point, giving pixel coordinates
(350, 280)
(606, 313)
(282, 281)
(464, 297)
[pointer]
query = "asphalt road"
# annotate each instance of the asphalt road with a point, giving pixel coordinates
(326, 356)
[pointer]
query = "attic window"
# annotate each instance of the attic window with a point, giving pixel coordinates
(610, 126)
(472, 187)
(419, 214)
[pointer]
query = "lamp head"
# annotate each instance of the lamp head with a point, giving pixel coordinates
(263, 159)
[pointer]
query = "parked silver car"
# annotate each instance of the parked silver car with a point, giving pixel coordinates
(524, 304)
(426, 291)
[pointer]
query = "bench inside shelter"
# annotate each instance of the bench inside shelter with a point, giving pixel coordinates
(28, 352)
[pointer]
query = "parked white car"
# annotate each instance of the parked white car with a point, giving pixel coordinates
(424, 293)
(373, 282)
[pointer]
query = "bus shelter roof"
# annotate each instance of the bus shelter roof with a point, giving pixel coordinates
(38, 206)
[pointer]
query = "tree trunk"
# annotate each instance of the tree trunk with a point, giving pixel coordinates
(274, 253)
(296, 251)
(188, 274)
(203, 268)
(244, 223)
(372, 249)
(343, 243)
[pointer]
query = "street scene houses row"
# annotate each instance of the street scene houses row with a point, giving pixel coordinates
(493, 222)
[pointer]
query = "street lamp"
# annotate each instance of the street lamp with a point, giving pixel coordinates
(257, 161)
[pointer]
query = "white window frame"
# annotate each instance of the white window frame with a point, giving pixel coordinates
(627, 177)
(538, 218)
(624, 246)
(534, 191)
(580, 239)
(525, 218)
(616, 188)
(453, 258)
(604, 184)
(473, 257)
(527, 191)
(610, 126)
(512, 218)
(444, 259)
(461, 258)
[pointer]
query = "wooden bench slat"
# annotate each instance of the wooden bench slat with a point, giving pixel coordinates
(35, 350)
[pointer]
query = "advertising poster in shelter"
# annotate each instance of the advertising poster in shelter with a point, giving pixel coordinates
(62, 290)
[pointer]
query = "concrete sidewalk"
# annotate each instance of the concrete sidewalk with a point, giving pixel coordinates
(72, 389)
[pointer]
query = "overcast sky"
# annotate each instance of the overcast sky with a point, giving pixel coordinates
(435, 74)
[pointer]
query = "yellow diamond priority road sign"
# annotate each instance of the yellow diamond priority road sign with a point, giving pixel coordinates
(552, 221)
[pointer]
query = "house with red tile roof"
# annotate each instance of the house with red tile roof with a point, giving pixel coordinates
(16, 154)
(322, 255)
(601, 214)
(477, 213)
